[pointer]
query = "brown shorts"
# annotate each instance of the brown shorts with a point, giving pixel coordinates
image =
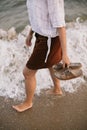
(37, 59)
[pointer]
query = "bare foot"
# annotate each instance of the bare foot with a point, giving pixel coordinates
(22, 107)
(54, 92)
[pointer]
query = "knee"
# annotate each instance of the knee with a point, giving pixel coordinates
(25, 73)
(28, 73)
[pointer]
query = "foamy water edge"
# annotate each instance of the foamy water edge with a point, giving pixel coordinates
(14, 55)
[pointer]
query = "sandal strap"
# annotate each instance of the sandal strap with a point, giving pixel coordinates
(69, 71)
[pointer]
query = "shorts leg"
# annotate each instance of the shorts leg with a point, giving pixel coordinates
(37, 59)
(55, 54)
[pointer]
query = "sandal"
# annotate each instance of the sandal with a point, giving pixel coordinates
(71, 66)
(66, 74)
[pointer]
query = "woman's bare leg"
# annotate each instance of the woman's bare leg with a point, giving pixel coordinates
(57, 88)
(30, 85)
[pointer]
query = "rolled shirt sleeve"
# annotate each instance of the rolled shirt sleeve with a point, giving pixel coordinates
(56, 12)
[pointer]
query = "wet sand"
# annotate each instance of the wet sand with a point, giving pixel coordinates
(68, 112)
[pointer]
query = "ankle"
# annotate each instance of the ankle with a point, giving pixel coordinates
(28, 102)
(57, 89)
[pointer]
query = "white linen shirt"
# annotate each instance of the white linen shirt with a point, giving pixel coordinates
(46, 16)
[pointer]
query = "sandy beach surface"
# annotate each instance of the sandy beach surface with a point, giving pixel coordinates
(68, 112)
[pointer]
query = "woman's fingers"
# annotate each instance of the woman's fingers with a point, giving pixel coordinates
(28, 41)
(66, 61)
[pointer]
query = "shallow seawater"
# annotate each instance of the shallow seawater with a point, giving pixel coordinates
(14, 13)
(14, 54)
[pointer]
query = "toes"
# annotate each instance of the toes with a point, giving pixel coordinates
(16, 108)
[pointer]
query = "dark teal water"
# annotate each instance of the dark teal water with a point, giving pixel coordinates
(14, 12)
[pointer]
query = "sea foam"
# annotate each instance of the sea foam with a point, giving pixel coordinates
(14, 54)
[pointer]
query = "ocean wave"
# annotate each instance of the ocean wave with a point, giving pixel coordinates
(14, 54)
(15, 13)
